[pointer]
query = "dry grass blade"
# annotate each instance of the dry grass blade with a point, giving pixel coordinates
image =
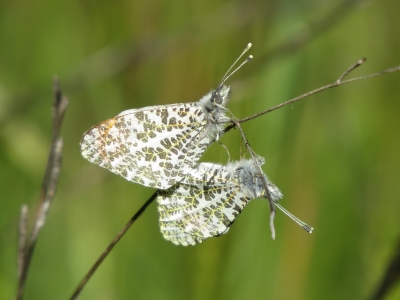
(27, 245)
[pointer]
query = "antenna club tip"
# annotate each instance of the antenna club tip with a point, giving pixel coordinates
(309, 229)
(248, 47)
(251, 56)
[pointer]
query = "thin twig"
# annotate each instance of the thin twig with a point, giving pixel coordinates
(110, 247)
(49, 185)
(337, 83)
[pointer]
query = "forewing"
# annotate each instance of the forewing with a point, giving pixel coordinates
(154, 146)
(204, 204)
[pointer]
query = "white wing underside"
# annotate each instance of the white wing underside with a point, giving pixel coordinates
(154, 146)
(204, 204)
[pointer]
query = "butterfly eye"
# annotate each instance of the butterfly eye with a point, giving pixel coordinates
(216, 97)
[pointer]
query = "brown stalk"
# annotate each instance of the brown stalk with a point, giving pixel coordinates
(27, 244)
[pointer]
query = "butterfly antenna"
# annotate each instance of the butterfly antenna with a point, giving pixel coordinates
(227, 74)
(305, 226)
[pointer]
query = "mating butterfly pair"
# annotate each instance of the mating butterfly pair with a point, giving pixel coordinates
(159, 146)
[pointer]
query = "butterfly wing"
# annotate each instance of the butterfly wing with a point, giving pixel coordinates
(154, 146)
(204, 204)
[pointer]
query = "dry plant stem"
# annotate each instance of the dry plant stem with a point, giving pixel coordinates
(26, 248)
(337, 83)
(111, 246)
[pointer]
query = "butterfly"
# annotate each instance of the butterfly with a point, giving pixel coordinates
(157, 146)
(209, 199)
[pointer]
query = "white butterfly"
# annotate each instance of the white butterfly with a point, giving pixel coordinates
(157, 146)
(208, 200)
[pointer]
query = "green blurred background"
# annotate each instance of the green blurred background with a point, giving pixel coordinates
(335, 155)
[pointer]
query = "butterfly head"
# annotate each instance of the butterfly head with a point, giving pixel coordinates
(216, 101)
(220, 96)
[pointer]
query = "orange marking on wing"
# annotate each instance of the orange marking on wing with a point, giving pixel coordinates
(108, 124)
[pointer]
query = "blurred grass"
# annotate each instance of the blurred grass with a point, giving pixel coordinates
(335, 155)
